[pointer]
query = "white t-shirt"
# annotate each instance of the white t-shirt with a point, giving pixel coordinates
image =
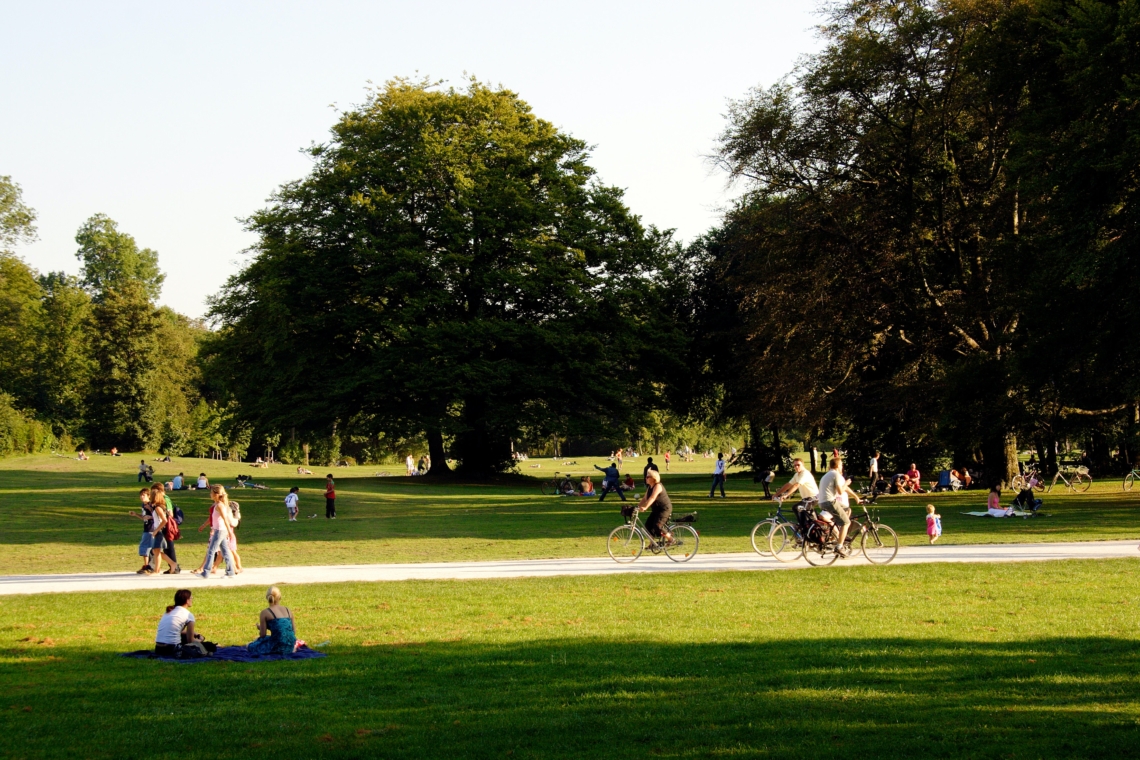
(830, 486)
(719, 467)
(806, 483)
(171, 625)
(203, 483)
(874, 464)
(291, 501)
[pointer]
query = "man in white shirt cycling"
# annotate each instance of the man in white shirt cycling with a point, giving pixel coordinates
(802, 480)
(833, 493)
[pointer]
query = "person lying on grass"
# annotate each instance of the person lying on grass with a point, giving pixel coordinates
(176, 636)
(275, 623)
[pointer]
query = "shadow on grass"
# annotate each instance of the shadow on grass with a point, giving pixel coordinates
(1060, 697)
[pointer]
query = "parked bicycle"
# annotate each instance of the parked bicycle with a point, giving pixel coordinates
(1079, 479)
(559, 485)
(1031, 477)
(627, 542)
(1131, 478)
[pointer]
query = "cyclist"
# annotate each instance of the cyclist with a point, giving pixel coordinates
(658, 500)
(801, 479)
(833, 492)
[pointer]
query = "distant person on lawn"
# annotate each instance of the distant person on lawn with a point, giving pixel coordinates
(203, 481)
(144, 471)
(146, 543)
(291, 503)
(649, 465)
(718, 476)
(611, 481)
(179, 482)
(278, 633)
(330, 498)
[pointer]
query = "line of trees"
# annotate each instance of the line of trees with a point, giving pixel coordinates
(934, 256)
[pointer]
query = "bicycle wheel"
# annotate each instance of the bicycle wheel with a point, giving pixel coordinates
(1128, 480)
(625, 544)
(783, 543)
(1082, 483)
(880, 545)
(685, 543)
(1039, 486)
(762, 530)
(548, 489)
(818, 554)
(1017, 483)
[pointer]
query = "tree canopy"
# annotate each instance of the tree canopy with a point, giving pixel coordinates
(451, 265)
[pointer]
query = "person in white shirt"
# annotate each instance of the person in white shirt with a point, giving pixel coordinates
(291, 503)
(718, 477)
(833, 492)
(802, 480)
(411, 464)
(874, 470)
(176, 628)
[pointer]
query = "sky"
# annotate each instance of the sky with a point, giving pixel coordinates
(179, 120)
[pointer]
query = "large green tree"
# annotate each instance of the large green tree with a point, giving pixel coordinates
(450, 266)
(111, 259)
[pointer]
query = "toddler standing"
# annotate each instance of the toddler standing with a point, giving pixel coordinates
(291, 503)
(933, 523)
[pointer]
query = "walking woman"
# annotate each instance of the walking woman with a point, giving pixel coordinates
(221, 532)
(657, 500)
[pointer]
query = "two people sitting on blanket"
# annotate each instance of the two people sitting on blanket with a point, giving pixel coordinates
(176, 636)
(276, 626)
(994, 507)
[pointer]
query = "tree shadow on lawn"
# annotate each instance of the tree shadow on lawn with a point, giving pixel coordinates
(591, 698)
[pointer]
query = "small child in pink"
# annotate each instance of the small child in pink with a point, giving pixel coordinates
(933, 523)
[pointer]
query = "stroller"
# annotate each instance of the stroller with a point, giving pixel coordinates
(1026, 501)
(947, 482)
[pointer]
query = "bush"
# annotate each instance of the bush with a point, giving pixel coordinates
(20, 433)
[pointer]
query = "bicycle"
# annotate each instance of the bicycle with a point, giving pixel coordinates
(1130, 478)
(627, 542)
(559, 485)
(878, 543)
(1031, 477)
(765, 527)
(1080, 481)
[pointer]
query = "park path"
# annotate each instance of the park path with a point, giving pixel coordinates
(536, 568)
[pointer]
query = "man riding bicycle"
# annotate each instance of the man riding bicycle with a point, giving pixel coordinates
(802, 480)
(833, 493)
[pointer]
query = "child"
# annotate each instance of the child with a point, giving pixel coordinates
(993, 505)
(330, 498)
(933, 523)
(146, 514)
(291, 503)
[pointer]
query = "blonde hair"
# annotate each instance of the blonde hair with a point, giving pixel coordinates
(929, 509)
(273, 595)
(158, 495)
(220, 491)
(653, 474)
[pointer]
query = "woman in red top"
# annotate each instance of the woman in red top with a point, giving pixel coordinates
(330, 498)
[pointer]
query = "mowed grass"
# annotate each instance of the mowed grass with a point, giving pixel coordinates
(61, 515)
(1018, 661)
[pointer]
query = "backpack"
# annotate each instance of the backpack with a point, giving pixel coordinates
(176, 512)
(171, 528)
(235, 512)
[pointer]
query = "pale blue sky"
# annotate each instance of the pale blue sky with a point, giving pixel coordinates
(175, 120)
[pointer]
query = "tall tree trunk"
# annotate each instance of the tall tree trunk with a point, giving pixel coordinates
(1000, 464)
(439, 468)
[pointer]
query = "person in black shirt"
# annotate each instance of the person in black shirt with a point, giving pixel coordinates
(657, 500)
(645, 471)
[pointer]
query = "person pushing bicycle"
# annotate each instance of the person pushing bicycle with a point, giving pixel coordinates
(657, 500)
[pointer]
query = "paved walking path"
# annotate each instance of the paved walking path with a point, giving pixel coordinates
(265, 576)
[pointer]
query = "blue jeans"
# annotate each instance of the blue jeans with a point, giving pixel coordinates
(219, 540)
(718, 480)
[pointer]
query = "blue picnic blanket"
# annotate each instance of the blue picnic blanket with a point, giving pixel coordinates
(230, 654)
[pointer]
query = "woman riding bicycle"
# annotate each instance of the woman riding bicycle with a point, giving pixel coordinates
(658, 500)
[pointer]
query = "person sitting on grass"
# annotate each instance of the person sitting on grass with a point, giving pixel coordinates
(914, 479)
(82, 456)
(179, 482)
(203, 481)
(628, 484)
(276, 626)
(993, 505)
(586, 486)
(176, 636)
(304, 471)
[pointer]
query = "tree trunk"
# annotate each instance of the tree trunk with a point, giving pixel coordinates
(439, 468)
(305, 448)
(1000, 453)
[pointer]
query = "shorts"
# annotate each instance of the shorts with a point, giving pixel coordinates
(842, 515)
(148, 542)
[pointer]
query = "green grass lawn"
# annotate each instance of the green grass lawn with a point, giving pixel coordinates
(1020, 661)
(61, 515)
